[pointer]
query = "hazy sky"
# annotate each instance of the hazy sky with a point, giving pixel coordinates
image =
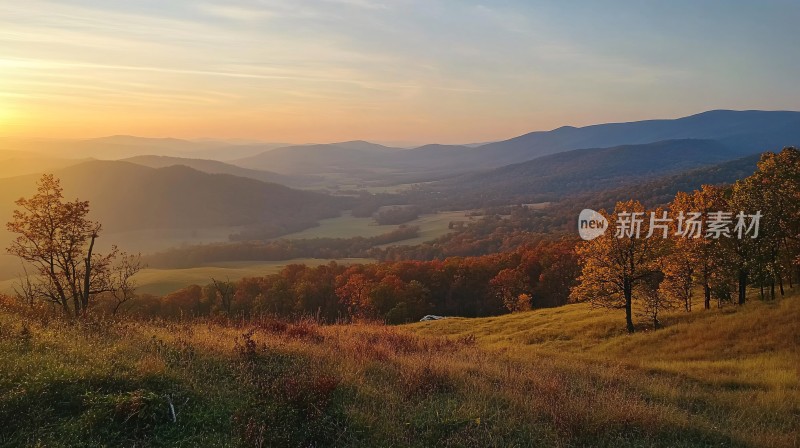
(404, 70)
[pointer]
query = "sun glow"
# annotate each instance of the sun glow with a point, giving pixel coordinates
(6, 117)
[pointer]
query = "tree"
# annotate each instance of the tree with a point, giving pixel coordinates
(614, 264)
(354, 294)
(774, 192)
(693, 259)
(654, 298)
(509, 285)
(225, 291)
(57, 238)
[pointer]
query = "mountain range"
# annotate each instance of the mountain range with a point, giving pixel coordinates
(155, 188)
(588, 169)
(736, 133)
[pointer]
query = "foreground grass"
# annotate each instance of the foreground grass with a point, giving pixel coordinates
(561, 377)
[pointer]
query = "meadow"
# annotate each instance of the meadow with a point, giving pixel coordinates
(431, 226)
(568, 376)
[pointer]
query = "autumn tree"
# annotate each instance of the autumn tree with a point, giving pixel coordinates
(510, 287)
(559, 270)
(354, 293)
(57, 239)
(773, 192)
(694, 259)
(654, 299)
(617, 262)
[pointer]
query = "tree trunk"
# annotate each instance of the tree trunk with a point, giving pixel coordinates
(772, 290)
(742, 286)
(88, 275)
(628, 291)
(780, 283)
(707, 296)
(761, 286)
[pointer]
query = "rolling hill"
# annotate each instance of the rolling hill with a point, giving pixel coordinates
(127, 196)
(124, 146)
(588, 169)
(18, 163)
(352, 156)
(567, 376)
(213, 167)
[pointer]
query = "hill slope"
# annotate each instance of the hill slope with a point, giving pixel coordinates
(325, 158)
(587, 169)
(211, 167)
(126, 196)
(560, 377)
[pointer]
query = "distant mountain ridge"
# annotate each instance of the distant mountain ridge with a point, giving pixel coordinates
(324, 158)
(211, 167)
(557, 175)
(117, 147)
(743, 132)
(740, 132)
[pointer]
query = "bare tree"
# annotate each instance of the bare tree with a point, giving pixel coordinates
(124, 285)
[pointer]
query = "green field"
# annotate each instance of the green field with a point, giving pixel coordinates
(155, 240)
(431, 226)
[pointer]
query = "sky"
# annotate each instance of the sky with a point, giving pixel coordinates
(401, 71)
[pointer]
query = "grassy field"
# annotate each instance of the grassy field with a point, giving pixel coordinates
(347, 226)
(562, 377)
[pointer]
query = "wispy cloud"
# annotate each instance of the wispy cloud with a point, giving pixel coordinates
(487, 68)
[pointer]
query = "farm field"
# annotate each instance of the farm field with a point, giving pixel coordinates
(431, 226)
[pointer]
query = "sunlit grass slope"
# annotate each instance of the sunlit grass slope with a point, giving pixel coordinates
(562, 377)
(732, 374)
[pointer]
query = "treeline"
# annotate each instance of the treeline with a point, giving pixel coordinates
(750, 236)
(539, 275)
(396, 215)
(356, 247)
(500, 230)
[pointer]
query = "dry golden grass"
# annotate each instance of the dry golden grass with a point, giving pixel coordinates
(563, 377)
